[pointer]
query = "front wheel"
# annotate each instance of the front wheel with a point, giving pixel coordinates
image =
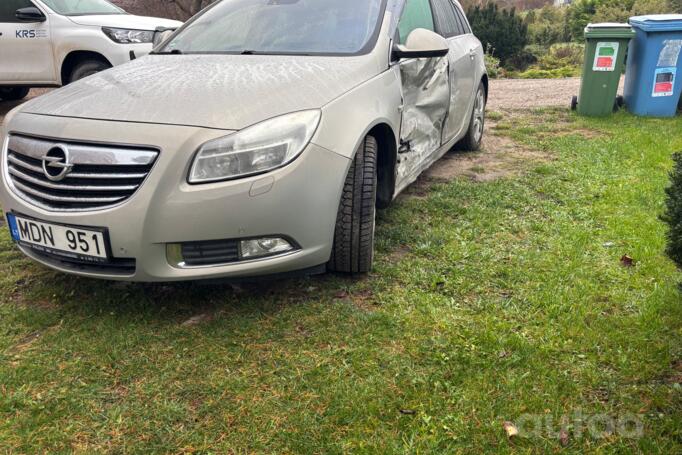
(474, 136)
(13, 93)
(353, 250)
(87, 68)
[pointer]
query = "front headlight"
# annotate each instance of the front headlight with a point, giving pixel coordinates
(124, 36)
(260, 148)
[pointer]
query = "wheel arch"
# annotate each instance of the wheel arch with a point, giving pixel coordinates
(73, 58)
(387, 160)
(486, 83)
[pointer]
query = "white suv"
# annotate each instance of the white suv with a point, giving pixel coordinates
(54, 42)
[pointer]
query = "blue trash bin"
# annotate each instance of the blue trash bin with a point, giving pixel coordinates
(653, 79)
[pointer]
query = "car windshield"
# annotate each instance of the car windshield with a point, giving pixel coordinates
(297, 27)
(82, 7)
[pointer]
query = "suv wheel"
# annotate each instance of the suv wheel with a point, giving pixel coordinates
(353, 250)
(87, 68)
(13, 93)
(474, 137)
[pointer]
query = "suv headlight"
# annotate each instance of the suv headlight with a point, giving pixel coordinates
(260, 148)
(125, 36)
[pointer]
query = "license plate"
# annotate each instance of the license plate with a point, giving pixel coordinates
(85, 244)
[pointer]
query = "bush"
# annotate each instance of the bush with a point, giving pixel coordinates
(558, 73)
(521, 60)
(492, 64)
(562, 56)
(673, 213)
(500, 29)
(557, 61)
(547, 25)
(538, 50)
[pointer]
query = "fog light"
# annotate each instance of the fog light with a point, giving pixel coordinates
(264, 247)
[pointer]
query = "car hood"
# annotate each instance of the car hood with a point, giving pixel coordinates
(214, 91)
(129, 21)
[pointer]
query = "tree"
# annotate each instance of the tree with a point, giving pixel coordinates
(547, 26)
(673, 213)
(583, 12)
(174, 9)
(500, 30)
(621, 11)
(579, 15)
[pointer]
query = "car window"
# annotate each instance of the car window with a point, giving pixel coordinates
(447, 23)
(8, 9)
(82, 7)
(462, 19)
(417, 14)
(292, 27)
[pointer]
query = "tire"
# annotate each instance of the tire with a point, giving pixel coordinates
(353, 250)
(87, 68)
(474, 136)
(13, 93)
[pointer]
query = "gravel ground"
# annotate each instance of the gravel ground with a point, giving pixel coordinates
(504, 94)
(532, 93)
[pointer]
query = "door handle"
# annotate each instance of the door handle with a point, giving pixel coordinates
(472, 53)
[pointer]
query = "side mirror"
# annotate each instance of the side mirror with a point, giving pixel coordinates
(421, 43)
(161, 34)
(30, 14)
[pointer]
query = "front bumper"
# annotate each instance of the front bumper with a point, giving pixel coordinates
(299, 201)
(119, 54)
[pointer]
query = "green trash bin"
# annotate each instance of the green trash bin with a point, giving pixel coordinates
(605, 51)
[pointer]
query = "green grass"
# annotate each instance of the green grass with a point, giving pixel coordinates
(489, 301)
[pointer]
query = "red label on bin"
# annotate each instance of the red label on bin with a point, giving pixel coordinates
(663, 87)
(604, 62)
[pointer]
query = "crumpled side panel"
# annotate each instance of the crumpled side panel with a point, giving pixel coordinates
(426, 97)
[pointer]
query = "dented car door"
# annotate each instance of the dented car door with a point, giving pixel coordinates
(426, 97)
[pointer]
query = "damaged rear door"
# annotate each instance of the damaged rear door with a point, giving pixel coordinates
(452, 26)
(426, 97)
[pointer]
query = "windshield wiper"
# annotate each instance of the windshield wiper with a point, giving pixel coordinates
(250, 52)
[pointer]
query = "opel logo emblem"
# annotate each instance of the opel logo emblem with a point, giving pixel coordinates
(56, 164)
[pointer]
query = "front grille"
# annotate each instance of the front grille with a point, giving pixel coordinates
(210, 253)
(100, 176)
(115, 266)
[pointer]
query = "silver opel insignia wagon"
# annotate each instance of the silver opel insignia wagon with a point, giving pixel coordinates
(258, 139)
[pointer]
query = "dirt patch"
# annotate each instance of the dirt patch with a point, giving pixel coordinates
(500, 157)
(399, 254)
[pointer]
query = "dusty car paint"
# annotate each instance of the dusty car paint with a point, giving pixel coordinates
(177, 103)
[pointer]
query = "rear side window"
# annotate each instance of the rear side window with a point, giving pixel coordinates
(8, 9)
(447, 23)
(462, 19)
(417, 14)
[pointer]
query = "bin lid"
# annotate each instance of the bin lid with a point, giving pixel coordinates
(658, 22)
(609, 30)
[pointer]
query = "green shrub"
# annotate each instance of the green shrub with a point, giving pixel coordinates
(673, 213)
(558, 73)
(562, 55)
(521, 60)
(501, 29)
(538, 50)
(492, 64)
